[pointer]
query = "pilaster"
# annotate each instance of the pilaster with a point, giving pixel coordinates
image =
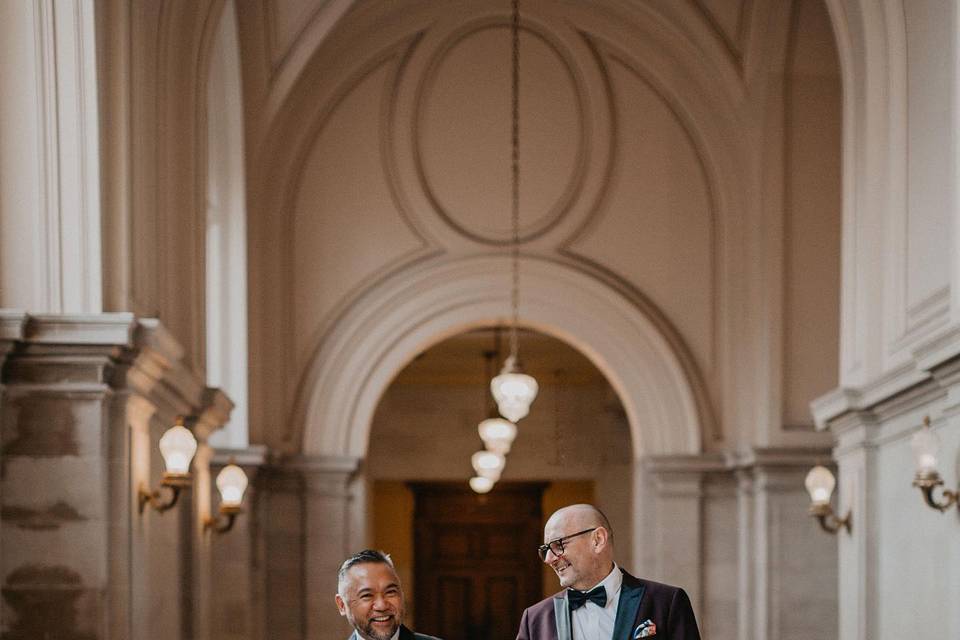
(50, 258)
(85, 400)
(328, 538)
(237, 599)
(858, 467)
(788, 561)
(678, 504)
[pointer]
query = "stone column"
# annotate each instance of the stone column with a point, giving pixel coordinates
(50, 247)
(745, 558)
(86, 399)
(328, 537)
(56, 511)
(236, 607)
(277, 519)
(858, 469)
(790, 562)
(678, 504)
(12, 324)
(214, 415)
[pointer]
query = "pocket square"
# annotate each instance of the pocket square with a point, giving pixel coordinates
(646, 629)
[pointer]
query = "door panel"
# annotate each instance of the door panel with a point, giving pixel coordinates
(475, 558)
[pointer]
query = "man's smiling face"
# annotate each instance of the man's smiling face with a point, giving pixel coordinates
(371, 600)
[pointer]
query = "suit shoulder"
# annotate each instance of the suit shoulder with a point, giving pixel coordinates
(545, 605)
(423, 636)
(654, 588)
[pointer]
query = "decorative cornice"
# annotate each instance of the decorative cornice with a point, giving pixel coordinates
(783, 457)
(767, 458)
(321, 464)
(80, 329)
(109, 351)
(13, 323)
(215, 413)
(900, 390)
(832, 405)
(702, 463)
(255, 455)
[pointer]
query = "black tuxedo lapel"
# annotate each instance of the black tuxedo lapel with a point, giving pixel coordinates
(405, 634)
(631, 593)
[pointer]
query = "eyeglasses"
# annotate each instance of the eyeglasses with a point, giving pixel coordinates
(557, 545)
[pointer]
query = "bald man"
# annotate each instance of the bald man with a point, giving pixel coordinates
(600, 601)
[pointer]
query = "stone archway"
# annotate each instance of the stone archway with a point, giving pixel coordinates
(623, 336)
(620, 332)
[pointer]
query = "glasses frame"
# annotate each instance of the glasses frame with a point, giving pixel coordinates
(544, 549)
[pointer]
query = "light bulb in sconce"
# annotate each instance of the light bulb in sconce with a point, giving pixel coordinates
(488, 464)
(926, 448)
(178, 446)
(820, 484)
(497, 434)
(481, 485)
(232, 482)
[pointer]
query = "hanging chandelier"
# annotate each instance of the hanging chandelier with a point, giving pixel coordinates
(513, 389)
(497, 435)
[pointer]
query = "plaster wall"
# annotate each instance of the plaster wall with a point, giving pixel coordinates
(398, 161)
(900, 563)
(918, 553)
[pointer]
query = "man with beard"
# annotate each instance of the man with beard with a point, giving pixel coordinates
(600, 601)
(370, 598)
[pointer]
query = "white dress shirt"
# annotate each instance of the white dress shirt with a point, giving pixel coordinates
(590, 622)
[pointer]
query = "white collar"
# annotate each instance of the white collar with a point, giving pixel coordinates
(611, 584)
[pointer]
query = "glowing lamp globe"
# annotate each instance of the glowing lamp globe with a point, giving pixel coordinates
(497, 434)
(513, 391)
(232, 482)
(480, 484)
(926, 446)
(820, 484)
(177, 446)
(488, 464)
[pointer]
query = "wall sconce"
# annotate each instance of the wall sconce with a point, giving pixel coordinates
(820, 484)
(926, 446)
(231, 482)
(177, 446)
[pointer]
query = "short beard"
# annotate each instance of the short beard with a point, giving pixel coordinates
(371, 634)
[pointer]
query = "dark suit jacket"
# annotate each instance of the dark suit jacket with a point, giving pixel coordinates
(640, 600)
(405, 634)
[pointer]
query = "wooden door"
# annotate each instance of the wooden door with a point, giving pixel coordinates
(476, 564)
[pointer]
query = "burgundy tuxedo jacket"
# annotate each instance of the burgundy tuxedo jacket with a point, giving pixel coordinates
(640, 600)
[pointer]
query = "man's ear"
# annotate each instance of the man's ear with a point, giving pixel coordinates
(341, 605)
(603, 538)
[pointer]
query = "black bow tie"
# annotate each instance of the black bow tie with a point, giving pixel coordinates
(577, 599)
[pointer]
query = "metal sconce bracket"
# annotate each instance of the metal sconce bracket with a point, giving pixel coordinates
(828, 520)
(224, 521)
(928, 483)
(175, 482)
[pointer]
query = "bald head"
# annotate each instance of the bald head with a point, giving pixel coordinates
(582, 516)
(581, 545)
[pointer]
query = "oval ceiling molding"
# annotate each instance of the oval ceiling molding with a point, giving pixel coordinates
(461, 132)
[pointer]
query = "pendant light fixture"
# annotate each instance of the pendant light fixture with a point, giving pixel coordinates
(497, 433)
(513, 389)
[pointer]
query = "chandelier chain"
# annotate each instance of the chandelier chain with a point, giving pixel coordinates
(515, 175)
